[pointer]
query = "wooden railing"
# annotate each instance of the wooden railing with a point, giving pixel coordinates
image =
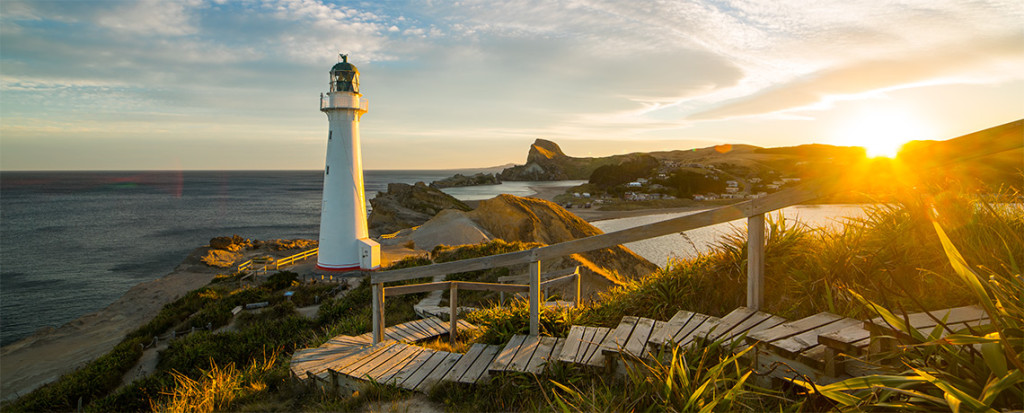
(989, 141)
(289, 260)
(453, 288)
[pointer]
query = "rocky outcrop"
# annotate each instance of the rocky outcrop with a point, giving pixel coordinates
(405, 206)
(458, 180)
(547, 162)
(512, 218)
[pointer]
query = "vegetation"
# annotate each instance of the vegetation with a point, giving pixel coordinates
(894, 260)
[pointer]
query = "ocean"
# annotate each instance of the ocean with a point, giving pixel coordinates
(71, 243)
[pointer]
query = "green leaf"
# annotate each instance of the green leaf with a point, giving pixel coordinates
(992, 390)
(954, 396)
(994, 357)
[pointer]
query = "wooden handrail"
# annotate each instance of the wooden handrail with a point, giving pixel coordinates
(778, 200)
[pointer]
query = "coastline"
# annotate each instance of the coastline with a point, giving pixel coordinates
(50, 352)
(548, 193)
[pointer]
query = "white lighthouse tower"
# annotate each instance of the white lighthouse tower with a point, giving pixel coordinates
(344, 241)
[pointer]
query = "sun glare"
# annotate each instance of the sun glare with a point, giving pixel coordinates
(881, 134)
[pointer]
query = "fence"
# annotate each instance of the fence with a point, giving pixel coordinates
(266, 263)
(990, 141)
(454, 286)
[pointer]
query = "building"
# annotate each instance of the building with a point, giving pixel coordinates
(344, 239)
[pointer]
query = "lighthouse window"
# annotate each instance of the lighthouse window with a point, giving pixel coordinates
(329, 133)
(328, 169)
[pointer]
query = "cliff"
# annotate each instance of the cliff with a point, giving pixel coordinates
(547, 162)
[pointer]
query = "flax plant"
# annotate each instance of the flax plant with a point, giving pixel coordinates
(979, 369)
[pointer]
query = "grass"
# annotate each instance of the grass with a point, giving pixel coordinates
(897, 259)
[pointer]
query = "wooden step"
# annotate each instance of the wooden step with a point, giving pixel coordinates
(583, 344)
(472, 367)
(792, 349)
(680, 328)
(735, 324)
(631, 337)
(526, 354)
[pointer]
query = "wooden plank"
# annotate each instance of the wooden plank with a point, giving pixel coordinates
(586, 342)
(700, 324)
(709, 331)
(671, 328)
(649, 347)
(572, 344)
(507, 353)
(433, 326)
(416, 288)
(544, 353)
(478, 370)
(397, 334)
(791, 328)
(523, 355)
(414, 379)
(793, 345)
(594, 357)
(344, 362)
(558, 281)
(359, 370)
(417, 362)
(524, 278)
(460, 368)
(777, 200)
(638, 340)
(924, 320)
(387, 369)
(466, 325)
(413, 330)
(850, 340)
(617, 339)
(480, 286)
(439, 372)
(738, 330)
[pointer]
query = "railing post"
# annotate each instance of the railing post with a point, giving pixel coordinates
(453, 311)
(534, 275)
(576, 297)
(378, 312)
(755, 261)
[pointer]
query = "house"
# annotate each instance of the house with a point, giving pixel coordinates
(754, 180)
(732, 184)
(635, 184)
(732, 189)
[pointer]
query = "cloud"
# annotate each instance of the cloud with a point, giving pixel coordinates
(955, 64)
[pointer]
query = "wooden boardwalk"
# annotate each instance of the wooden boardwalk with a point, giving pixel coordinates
(823, 348)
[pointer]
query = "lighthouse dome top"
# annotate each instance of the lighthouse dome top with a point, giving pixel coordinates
(344, 76)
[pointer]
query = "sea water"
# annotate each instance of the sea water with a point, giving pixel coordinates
(73, 242)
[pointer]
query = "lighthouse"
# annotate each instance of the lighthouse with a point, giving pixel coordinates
(344, 241)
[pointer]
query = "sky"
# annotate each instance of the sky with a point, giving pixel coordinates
(211, 85)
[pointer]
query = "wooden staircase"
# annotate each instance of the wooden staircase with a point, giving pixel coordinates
(823, 348)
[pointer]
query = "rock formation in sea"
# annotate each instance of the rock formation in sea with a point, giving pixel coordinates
(458, 180)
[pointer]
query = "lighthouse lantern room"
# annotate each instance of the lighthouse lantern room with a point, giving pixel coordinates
(344, 240)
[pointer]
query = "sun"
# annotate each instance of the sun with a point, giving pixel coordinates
(881, 133)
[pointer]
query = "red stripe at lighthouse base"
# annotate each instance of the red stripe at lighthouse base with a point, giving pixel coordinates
(337, 268)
